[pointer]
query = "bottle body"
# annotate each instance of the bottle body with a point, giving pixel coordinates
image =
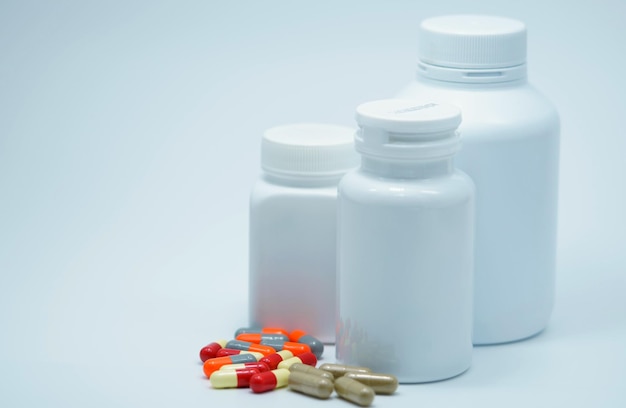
(405, 274)
(510, 150)
(293, 256)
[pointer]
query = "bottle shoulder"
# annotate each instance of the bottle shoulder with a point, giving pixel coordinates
(264, 191)
(491, 109)
(364, 187)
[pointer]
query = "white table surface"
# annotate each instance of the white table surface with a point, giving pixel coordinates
(129, 140)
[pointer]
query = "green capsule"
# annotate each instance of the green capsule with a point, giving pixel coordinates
(311, 384)
(338, 370)
(307, 369)
(380, 383)
(354, 391)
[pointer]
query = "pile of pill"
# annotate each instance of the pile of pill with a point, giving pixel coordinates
(269, 358)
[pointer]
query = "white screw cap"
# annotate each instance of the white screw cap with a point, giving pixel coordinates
(308, 150)
(472, 41)
(406, 129)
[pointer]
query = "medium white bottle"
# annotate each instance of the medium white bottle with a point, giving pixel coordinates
(292, 277)
(405, 245)
(510, 150)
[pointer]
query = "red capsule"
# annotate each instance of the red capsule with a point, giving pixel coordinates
(269, 380)
(272, 360)
(229, 352)
(210, 350)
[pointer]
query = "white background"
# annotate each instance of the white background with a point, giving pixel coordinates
(129, 140)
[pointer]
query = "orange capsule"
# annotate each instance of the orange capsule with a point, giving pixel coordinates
(295, 348)
(260, 337)
(269, 330)
(247, 346)
(214, 364)
(300, 336)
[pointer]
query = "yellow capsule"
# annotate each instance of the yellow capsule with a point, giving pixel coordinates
(380, 383)
(310, 384)
(338, 370)
(304, 358)
(232, 378)
(307, 369)
(354, 391)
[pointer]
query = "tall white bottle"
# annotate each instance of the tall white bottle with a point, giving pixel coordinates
(510, 150)
(293, 227)
(405, 245)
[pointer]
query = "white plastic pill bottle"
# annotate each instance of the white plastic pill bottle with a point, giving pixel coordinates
(405, 245)
(292, 253)
(511, 152)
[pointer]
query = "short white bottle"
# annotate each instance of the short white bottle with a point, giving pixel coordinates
(510, 150)
(405, 245)
(292, 251)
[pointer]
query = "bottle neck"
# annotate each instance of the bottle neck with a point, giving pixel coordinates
(505, 76)
(408, 169)
(306, 182)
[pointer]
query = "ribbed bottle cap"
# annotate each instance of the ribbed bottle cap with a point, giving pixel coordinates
(406, 129)
(308, 150)
(472, 41)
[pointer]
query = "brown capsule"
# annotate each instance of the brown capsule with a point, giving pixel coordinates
(354, 391)
(307, 369)
(311, 384)
(338, 370)
(380, 383)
